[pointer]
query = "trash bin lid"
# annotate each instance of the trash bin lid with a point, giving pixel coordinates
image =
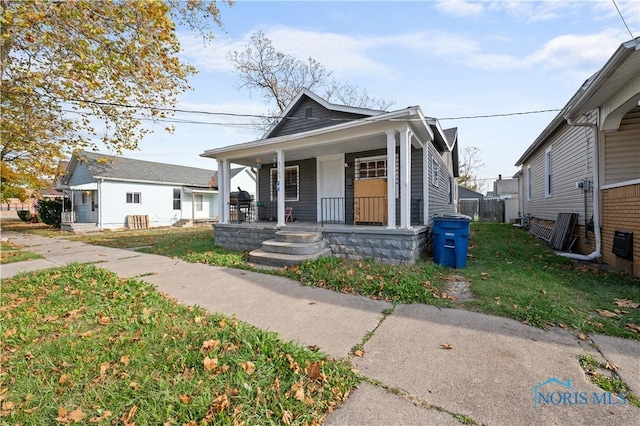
(455, 216)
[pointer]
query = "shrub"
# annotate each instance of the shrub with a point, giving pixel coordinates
(50, 212)
(25, 215)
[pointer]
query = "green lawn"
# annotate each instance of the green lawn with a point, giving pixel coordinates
(511, 273)
(81, 345)
(10, 253)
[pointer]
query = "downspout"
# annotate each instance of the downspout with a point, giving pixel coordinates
(596, 195)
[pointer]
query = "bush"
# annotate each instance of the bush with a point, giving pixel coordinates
(25, 215)
(50, 212)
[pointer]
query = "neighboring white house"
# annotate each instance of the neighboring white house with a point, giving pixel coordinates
(245, 179)
(105, 192)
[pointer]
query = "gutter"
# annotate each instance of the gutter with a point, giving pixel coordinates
(596, 196)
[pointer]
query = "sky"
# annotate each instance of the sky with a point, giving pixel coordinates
(454, 59)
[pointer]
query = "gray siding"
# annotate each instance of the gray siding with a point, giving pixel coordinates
(297, 122)
(304, 210)
(81, 175)
(572, 161)
(622, 150)
(439, 195)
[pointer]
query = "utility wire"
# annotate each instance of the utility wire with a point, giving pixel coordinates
(622, 17)
(229, 114)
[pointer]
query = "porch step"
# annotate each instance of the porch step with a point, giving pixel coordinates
(79, 228)
(281, 259)
(183, 223)
(290, 248)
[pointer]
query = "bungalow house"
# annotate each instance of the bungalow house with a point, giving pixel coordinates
(587, 161)
(108, 192)
(366, 182)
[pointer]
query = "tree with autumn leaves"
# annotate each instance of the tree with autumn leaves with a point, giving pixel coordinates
(78, 71)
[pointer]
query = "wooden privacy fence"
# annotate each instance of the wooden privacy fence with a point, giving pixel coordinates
(491, 210)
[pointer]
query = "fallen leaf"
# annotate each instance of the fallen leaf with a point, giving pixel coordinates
(8, 406)
(447, 346)
(134, 386)
(104, 320)
(611, 366)
(248, 367)
(126, 418)
(198, 320)
(312, 302)
(146, 311)
(626, 303)
(313, 370)
(10, 332)
(359, 353)
(64, 379)
(221, 403)
(185, 399)
(543, 291)
(125, 359)
(49, 318)
(584, 337)
(287, 417)
(103, 368)
(606, 314)
(298, 391)
(210, 363)
(633, 327)
(76, 415)
(209, 345)
(105, 415)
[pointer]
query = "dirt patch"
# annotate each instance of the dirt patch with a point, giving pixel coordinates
(460, 289)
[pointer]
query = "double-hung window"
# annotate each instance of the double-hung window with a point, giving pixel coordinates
(548, 171)
(177, 200)
(291, 184)
(134, 198)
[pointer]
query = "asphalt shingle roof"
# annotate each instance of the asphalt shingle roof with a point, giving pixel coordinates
(109, 166)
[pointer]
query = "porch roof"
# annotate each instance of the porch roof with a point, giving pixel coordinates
(364, 134)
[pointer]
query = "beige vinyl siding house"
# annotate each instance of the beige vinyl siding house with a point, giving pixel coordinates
(593, 142)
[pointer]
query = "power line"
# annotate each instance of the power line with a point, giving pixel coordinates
(229, 114)
(622, 17)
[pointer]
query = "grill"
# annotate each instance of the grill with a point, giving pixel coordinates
(240, 206)
(240, 198)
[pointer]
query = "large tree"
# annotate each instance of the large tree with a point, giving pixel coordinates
(74, 72)
(278, 77)
(469, 168)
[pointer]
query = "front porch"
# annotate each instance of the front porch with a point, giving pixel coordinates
(355, 242)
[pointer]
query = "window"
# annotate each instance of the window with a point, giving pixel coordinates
(198, 202)
(291, 184)
(435, 172)
(371, 167)
(527, 182)
(134, 198)
(450, 190)
(547, 173)
(177, 201)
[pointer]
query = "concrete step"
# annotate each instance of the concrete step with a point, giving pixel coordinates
(183, 223)
(285, 247)
(298, 236)
(79, 228)
(281, 259)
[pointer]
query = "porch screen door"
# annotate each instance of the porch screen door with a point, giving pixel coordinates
(331, 188)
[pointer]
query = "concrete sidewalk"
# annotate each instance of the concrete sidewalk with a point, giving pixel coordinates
(490, 375)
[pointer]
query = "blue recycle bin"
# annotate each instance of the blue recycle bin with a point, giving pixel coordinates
(451, 240)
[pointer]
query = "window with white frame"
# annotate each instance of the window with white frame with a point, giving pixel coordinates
(548, 171)
(177, 199)
(527, 182)
(371, 167)
(435, 172)
(134, 198)
(291, 184)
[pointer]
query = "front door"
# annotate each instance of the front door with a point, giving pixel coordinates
(331, 188)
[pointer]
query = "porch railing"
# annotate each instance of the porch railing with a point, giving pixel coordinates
(69, 217)
(363, 210)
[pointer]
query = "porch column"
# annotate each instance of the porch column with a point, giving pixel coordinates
(280, 187)
(391, 179)
(223, 191)
(425, 182)
(405, 178)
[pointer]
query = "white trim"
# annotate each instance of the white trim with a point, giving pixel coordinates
(527, 182)
(620, 184)
(319, 179)
(391, 185)
(282, 188)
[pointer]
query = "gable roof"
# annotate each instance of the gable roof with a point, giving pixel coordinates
(109, 167)
(468, 193)
(617, 72)
(305, 93)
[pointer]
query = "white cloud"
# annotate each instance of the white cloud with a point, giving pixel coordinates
(460, 8)
(209, 56)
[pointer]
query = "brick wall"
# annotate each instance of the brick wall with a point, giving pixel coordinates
(621, 212)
